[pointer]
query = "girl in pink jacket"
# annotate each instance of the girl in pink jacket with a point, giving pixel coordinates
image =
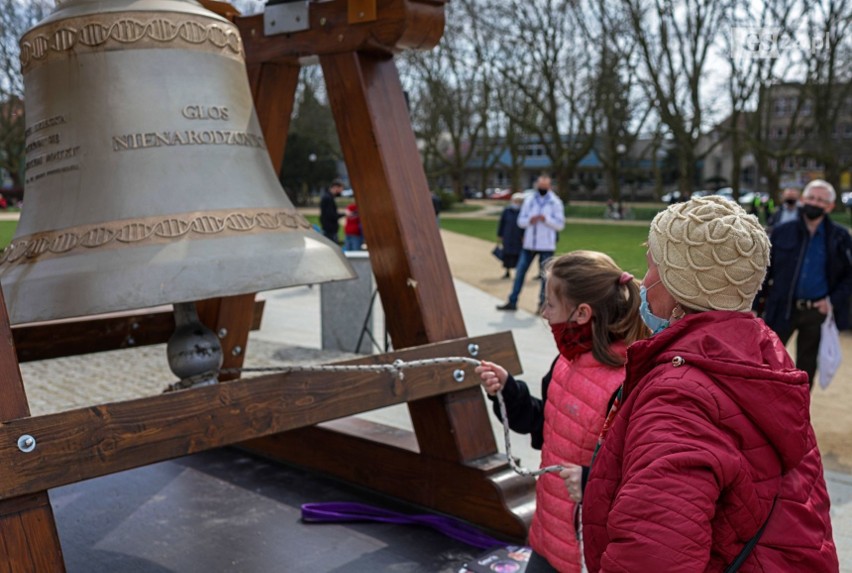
(592, 307)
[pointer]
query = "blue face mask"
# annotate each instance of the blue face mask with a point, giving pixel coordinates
(651, 320)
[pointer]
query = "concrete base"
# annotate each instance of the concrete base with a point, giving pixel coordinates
(347, 311)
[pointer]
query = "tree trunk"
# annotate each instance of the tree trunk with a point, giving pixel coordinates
(736, 157)
(563, 185)
(612, 183)
(832, 172)
(686, 176)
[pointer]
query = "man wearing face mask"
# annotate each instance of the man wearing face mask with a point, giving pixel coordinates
(809, 276)
(789, 210)
(542, 216)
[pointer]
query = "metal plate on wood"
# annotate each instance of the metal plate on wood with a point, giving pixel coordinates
(285, 18)
(361, 11)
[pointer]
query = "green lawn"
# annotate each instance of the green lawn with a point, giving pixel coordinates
(7, 230)
(624, 243)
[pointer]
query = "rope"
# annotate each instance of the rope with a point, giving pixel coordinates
(395, 368)
(512, 463)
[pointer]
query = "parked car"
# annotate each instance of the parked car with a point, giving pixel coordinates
(346, 193)
(725, 193)
(500, 194)
(846, 199)
(672, 197)
(747, 197)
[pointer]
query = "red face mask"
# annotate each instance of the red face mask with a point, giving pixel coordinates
(572, 339)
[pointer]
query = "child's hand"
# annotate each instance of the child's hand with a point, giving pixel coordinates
(493, 377)
(573, 476)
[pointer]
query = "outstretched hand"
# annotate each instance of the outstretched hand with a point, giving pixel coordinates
(573, 476)
(492, 377)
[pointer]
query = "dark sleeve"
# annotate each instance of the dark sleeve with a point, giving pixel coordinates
(328, 211)
(759, 301)
(501, 227)
(842, 289)
(584, 479)
(525, 412)
(325, 216)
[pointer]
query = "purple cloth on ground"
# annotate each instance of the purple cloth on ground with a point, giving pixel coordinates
(330, 512)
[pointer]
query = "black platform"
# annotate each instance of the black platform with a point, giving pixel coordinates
(227, 511)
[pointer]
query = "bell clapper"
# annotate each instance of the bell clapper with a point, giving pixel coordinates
(194, 351)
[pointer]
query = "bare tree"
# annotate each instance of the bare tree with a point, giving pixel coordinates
(539, 51)
(516, 114)
(450, 103)
(621, 107)
(674, 40)
(827, 88)
(795, 61)
(749, 76)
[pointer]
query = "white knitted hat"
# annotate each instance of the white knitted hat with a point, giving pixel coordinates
(711, 254)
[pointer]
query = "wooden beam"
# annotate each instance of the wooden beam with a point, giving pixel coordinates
(127, 330)
(224, 9)
(406, 252)
(90, 442)
(398, 25)
(452, 430)
(28, 537)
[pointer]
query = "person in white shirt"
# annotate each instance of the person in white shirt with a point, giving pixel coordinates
(542, 216)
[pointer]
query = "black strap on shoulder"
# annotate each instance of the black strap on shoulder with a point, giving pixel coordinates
(615, 396)
(737, 563)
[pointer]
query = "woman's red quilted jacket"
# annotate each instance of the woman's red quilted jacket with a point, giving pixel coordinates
(714, 424)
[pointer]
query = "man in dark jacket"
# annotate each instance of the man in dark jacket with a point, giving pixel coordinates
(810, 275)
(329, 215)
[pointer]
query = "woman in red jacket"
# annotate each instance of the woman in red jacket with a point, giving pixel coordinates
(711, 446)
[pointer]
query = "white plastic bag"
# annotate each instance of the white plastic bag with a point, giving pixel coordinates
(829, 357)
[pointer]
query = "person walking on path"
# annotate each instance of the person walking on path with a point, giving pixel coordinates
(592, 307)
(510, 234)
(542, 216)
(353, 235)
(710, 456)
(329, 215)
(810, 275)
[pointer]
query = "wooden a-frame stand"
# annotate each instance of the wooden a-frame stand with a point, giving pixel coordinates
(450, 463)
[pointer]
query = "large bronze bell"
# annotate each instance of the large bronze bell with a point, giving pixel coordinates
(148, 180)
